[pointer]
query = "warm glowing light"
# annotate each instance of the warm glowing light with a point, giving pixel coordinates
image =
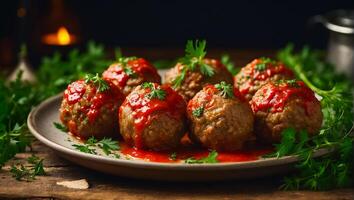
(61, 37)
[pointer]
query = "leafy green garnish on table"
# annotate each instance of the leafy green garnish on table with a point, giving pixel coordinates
(226, 90)
(101, 84)
(21, 172)
(335, 169)
(61, 127)
(155, 92)
(195, 53)
(211, 158)
(18, 97)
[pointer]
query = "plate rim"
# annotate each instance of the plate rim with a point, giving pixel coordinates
(263, 162)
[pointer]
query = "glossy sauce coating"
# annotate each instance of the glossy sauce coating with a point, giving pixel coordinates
(273, 97)
(205, 99)
(140, 67)
(252, 74)
(89, 100)
(142, 106)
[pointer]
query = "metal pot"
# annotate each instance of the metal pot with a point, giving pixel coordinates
(340, 50)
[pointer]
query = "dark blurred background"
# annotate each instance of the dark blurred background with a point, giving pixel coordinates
(224, 24)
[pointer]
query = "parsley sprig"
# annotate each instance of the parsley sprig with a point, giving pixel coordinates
(60, 127)
(101, 84)
(195, 53)
(106, 144)
(21, 172)
(198, 111)
(226, 90)
(123, 61)
(211, 158)
(263, 64)
(155, 92)
(336, 169)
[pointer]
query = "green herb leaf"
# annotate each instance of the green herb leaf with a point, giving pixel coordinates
(230, 66)
(61, 127)
(155, 92)
(20, 172)
(225, 89)
(211, 158)
(173, 156)
(108, 145)
(198, 112)
(101, 84)
(195, 53)
(84, 148)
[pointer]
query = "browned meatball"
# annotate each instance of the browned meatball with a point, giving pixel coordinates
(194, 80)
(129, 73)
(220, 118)
(153, 117)
(259, 72)
(88, 111)
(288, 104)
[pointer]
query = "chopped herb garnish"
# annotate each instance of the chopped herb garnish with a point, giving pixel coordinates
(106, 144)
(61, 127)
(292, 83)
(263, 65)
(173, 156)
(155, 92)
(211, 158)
(195, 53)
(198, 112)
(260, 67)
(20, 172)
(129, 72)
(101, 84)
(84, 148)
(225, 89)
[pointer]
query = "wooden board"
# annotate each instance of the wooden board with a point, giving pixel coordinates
(107, 187)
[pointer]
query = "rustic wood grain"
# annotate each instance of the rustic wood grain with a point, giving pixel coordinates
(108, 187)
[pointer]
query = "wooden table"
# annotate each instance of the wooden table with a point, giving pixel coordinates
(107, 187)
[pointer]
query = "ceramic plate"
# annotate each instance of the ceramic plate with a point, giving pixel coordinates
(40, 122)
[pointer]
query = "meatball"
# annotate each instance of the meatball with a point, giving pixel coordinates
(87, 110)
(286, 104)
(129, 73)
(153, 117)
(195, 80)
(257, 73)
(220, 118)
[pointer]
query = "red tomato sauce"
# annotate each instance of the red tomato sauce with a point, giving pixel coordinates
(116, 75)
(188, 151)
(275, 96)
(270, 70)
(75, 92)
(143, 107)
(206, 98)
